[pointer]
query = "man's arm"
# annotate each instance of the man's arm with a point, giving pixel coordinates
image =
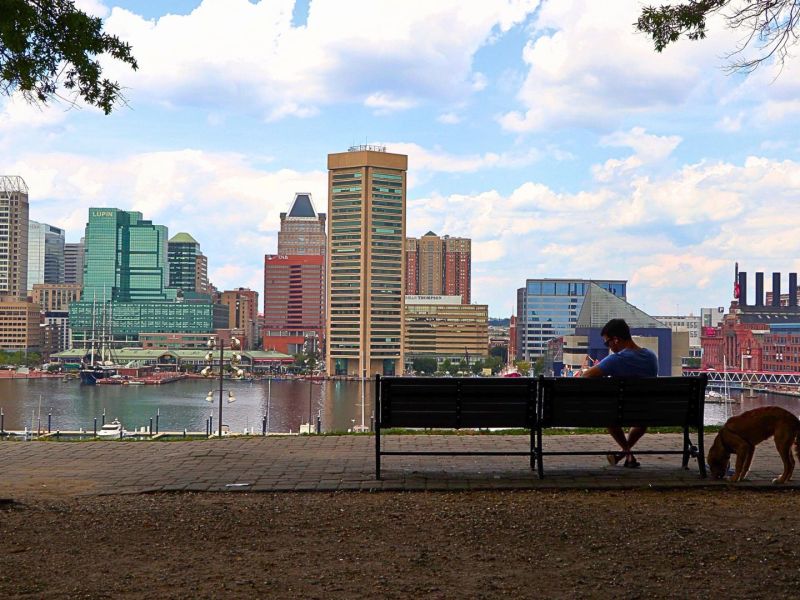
(594, 371)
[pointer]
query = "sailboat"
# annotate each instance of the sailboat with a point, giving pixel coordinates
(105, 367)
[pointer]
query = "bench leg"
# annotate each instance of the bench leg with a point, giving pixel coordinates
(539, 462)
(378, 452)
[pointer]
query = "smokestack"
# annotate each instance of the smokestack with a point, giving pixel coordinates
(759, 289)
(776, 289)
(792, 289)
(742, 288)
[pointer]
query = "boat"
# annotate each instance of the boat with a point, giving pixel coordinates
(715, 397)
(93, 372)
(111, 430)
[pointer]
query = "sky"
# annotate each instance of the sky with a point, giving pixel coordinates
(549, 132)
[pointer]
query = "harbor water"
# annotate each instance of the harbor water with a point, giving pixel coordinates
(182, 405)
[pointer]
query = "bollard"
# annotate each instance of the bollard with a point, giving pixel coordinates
(38, 425)
(49, 421)
(151, 426)
(372, 423)
(2, 422)
(104, 416)
(319, 425)
(184, 432)
(211, 425)
(264, 425)
(95, 426)
(58, 434)
(158, 414)
(120, 434)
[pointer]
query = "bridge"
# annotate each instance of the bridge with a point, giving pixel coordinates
(744, 379)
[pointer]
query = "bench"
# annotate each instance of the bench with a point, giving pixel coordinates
(454, 403)
(623, 402)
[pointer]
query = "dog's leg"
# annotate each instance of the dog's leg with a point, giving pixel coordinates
(783, 442)
(742, 453)
(748, 458)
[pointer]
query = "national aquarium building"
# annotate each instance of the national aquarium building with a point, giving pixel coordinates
(126, 285)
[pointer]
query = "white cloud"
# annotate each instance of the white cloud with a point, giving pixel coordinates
(235, 53)
(449, 118)
(648, 150)
(426, 161)
(18, 114)
(588, 67)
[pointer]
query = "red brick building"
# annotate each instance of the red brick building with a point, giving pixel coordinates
(437, 266)
(242, 306)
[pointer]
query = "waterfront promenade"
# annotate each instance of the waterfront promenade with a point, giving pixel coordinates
(339, 463)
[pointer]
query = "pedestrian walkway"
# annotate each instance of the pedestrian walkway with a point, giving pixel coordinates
(331, 463)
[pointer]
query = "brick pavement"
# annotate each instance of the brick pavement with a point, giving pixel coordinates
(330, 463)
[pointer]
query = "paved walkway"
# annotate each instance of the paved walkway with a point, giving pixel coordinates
(328, 463)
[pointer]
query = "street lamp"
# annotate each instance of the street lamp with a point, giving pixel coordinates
(208, 371)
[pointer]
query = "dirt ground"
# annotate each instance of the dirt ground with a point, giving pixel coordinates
(566, 544)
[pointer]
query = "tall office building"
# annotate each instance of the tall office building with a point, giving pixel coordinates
(188, 268)
(73, 262)
(242, 304)
(549, 308)
(302, 229)
(125, 284)
(439, 266)
(54, 300)
(13, 236)
(294, 302)
(367, 207)
(45, 254)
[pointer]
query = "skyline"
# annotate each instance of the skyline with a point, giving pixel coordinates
(551, 134)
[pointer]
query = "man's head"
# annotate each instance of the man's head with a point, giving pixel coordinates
(615, 333)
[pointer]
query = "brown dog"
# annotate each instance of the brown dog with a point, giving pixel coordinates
(741, 434)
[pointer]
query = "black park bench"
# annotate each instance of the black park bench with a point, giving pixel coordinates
(623, 402)
(521, 402)
(454, 403)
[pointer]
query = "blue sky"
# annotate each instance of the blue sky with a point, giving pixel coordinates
(548, 132)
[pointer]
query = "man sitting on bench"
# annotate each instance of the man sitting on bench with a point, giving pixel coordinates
(626, 360)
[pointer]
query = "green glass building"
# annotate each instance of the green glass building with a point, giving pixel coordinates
(126, 287)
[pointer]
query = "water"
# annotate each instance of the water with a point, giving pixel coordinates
(183, 404)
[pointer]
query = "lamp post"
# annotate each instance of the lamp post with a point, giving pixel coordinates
(208, 371)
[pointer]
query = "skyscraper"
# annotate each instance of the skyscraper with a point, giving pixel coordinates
(366, 204)
(45, 254)
(125, 283)
(188, 268)
(73, 262)
(439, 266)
(294, 302)
(294, 281)
(302, 229)
(13, 236)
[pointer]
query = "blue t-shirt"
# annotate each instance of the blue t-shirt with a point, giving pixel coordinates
(630, 363)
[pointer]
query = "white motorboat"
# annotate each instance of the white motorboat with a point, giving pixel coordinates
(111, 430)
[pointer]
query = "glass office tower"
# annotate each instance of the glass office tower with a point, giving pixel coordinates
(549, 308)
(125, 283)
(45, 254)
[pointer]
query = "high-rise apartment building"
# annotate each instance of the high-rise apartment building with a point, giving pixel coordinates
(242, 304)
(54, 300)
(549, 308)
(188, 268)
(13, 236)
(366, 234)
(439, 266)
(294, 302)
(73, 262)
(125, 284)
(302, 229)
(45, 254)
